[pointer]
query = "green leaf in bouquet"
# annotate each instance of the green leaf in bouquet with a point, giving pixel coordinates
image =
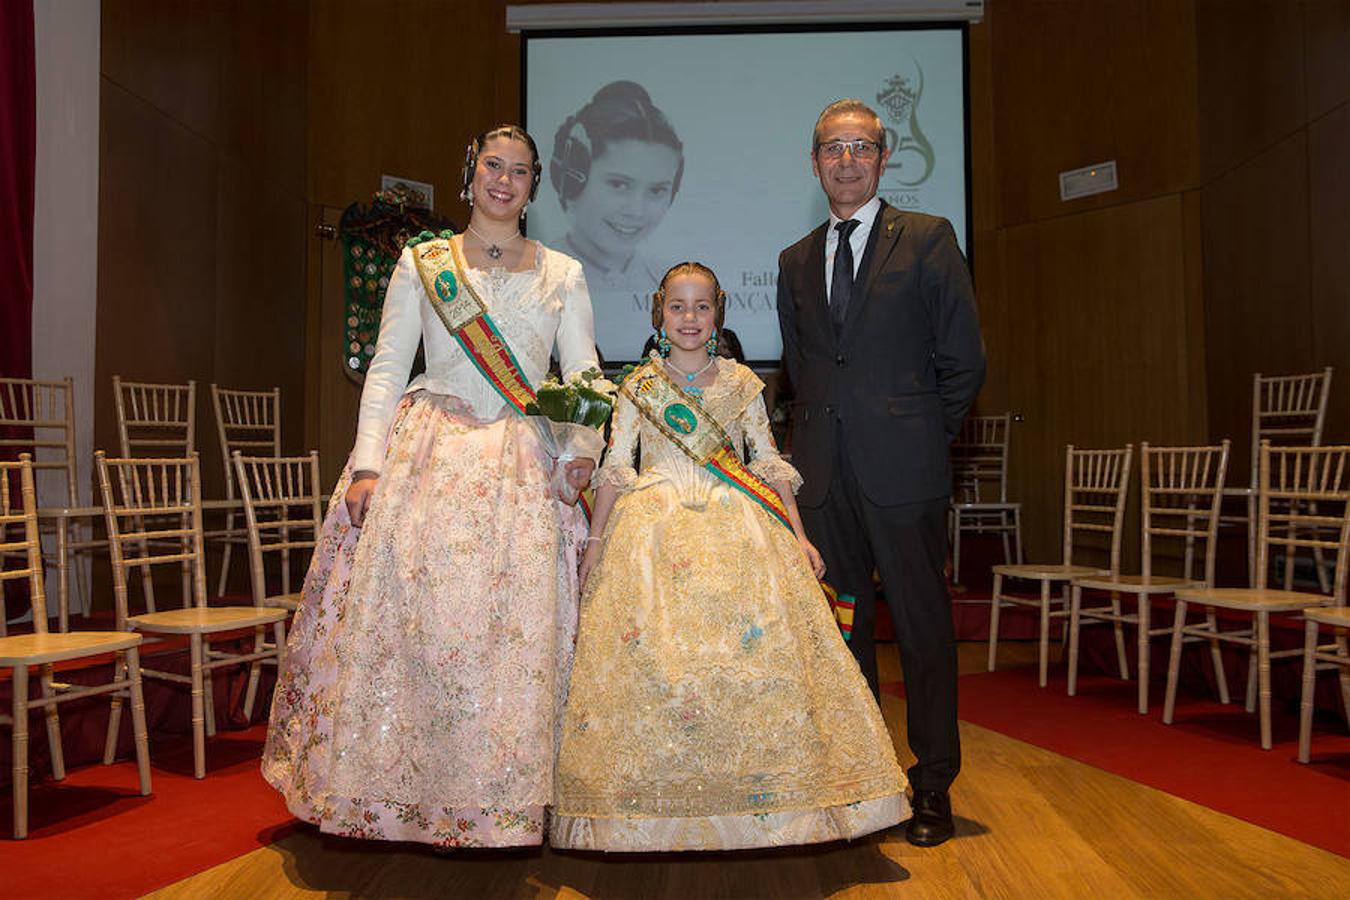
(558, 403)
(593, 407)
(532, 409)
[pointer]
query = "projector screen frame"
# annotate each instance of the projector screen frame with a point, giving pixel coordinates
(960, 25)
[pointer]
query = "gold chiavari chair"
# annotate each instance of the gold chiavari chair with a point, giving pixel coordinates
(42, 649)
(1181, 491)
(47, 408)
(1095, 485)
(1335, 654)
(153, 510)
(158, 421)
(1303, 493)
(283, 512)
(1288, 410)
(247, 422)
(980, 500)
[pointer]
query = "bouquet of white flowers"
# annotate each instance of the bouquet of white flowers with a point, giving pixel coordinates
(569, 416)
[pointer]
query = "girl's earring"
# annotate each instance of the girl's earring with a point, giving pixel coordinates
(467, 195)
(711, 344)
(662, 342)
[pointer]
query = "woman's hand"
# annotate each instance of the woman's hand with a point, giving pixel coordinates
(813, 558)
(358, 494)
(588, 561)
(579, 473)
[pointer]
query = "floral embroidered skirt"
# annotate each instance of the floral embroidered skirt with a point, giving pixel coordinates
(714, 704)
(428, 662)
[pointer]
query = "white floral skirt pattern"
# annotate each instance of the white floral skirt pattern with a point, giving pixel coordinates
(714, 704)
(428, 662)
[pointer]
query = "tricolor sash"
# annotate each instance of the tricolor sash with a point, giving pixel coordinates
(684, 421)
(465, 316)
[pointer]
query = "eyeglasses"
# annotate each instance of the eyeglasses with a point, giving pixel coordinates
(859, 148)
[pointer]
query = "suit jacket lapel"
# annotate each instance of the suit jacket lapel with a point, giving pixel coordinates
(881, 243)
(818, 304)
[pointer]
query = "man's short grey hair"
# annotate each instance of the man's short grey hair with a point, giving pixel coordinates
(841, 107)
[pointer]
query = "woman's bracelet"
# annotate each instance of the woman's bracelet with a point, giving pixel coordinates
(592, 538)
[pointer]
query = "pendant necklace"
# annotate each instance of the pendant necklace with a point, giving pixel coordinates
(491, 249)
(688, 376)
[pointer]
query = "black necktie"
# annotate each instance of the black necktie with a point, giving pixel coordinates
(841, 280)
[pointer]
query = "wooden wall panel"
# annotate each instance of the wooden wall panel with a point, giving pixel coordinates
(1082, 82)
(263, 97)
(413, 112)
(1251, 78)
(157, 252)
(1256, 283)
(201, 208)
(1102, 331)
(1329, 235)
(167, 52)
(1326, 35)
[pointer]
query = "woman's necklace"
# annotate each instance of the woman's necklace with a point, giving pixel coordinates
(690, 376)
(491, 249)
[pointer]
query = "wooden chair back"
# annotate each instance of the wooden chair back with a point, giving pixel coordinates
(283, 509)
(1288, 410)
(19, 538)
(1304, 501)
(48, 409)
(1182, 490)
(153, 511)
(156, 420)
(248, 422)
(980, 460)
(1095, 485)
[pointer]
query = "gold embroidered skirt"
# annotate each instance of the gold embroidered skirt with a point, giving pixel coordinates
(714, 704)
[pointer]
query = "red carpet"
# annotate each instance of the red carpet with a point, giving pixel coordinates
(1211, 755)
(94, 836)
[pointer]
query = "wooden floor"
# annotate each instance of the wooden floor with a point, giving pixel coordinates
(1030, 823)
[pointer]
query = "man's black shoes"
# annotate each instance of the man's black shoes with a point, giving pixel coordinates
(932, 822)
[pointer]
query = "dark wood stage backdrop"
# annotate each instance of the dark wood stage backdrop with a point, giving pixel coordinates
(229, 131)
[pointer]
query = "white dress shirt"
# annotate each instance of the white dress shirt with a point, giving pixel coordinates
(533, 309)
(866, 216)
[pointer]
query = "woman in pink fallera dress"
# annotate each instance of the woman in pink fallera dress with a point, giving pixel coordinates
(428, 662)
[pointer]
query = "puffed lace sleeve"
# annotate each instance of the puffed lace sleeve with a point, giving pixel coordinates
(764, 459)
(618, 470)
(576, 331)
(387, 378)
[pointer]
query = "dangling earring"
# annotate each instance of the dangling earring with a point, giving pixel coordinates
(711, 344)
(467, 195)
(662, 342)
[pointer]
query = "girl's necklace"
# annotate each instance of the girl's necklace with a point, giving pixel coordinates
(690, 376)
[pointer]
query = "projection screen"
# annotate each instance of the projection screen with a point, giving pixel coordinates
(724, 174)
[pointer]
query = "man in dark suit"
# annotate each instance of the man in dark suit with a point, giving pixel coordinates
(882, 346)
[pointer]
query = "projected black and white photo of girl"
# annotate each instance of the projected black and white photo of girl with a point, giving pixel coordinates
(616, 167)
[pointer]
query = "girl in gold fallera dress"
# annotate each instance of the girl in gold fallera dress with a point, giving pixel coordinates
(714, 704)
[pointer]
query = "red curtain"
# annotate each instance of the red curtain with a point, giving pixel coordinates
(18, 128)
(18, 104)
